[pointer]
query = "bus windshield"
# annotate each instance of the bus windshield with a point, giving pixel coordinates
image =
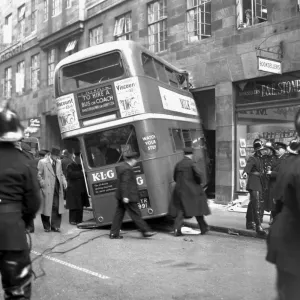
(92, 71)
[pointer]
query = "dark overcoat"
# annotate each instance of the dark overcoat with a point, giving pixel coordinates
(284, 237)
(77, 196)
(64, 164)
(18, 185)
(188, 193)
(127, 186)
(254, 164)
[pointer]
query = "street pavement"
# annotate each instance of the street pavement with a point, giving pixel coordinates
(193, 267)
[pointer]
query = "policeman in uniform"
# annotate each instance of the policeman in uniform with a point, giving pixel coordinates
(19, 201)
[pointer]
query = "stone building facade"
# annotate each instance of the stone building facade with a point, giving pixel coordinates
(216, 41)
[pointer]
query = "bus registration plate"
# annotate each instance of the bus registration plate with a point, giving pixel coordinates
(144, 200)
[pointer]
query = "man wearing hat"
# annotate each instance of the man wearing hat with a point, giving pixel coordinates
(189, 197)
(52, 183)
(19, 202)
(284, 237)
(127, 196)
(254, 171)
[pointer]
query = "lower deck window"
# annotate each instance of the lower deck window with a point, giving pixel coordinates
(182, 138)
(106, 147)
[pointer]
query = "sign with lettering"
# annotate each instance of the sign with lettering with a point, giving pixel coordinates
(67, 113)
(276, 87)
(14, 50)
(177, 102)
(269, 65)
(33, 128)
(34, 122)
(97, 100)
(129, 97)
(149, 142)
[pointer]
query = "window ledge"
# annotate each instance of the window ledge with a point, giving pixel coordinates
(262, 24)
(56, 15)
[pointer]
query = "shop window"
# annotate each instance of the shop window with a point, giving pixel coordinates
(96, 35)
(20, 78)
(93, 71)
(35, 72)
(33, 15)
(198, 19)
(157, 26)
(51, 65)
(46, 4)
(21, 22)
(7, 82)
(123, 27)
(268, 124)
(251, 12)
(106, 147)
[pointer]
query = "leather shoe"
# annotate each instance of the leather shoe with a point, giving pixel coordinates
(260, 230)
(205, 230)
(250, 226)
(55, 229)
(149, 234)
(73, 223)
(47, 230)
(177, 232)
(115, 237)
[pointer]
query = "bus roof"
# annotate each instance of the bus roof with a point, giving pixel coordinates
(110, 46)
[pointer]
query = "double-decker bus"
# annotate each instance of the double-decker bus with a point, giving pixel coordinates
(118, 97)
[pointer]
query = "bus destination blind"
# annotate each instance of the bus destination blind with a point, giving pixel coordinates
(97, 100)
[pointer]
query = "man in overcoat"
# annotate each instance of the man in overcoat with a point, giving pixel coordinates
(77, 196)
(284, 237)
(127, 195)
(19, 201)
(189, 196)
(52, 183)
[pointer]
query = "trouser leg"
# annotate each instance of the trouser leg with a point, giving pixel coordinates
(202, 224)
(55, 218)
(79, 215)
(16, 273)
(135, 214)
(30, 225)
(178, 220)
(72, 215)
(249, 214)
(45, 221)
(262, 205)
(118, 219)
(255, 199)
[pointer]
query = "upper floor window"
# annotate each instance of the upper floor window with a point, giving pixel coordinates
(96, 35)
(21, 22)
(251, 12)
(198, 19)
(56, 7)
(157, 26)
(33, 15)
(51, 66)
(7, 30)
(69, 3)
(35, 71)
(20, 77)
(46, 4)
(123, 27)
(7, 82)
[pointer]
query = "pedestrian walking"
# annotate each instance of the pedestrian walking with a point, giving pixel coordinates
(284, 237)
(52, 183)
(127, 196)
(256, 184)
(77, 197)
(189, 197)
(65, 161)
(19, 201)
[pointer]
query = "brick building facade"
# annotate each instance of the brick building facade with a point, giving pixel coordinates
(214, 40)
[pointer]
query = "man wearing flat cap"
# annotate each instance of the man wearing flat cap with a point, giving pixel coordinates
(52, 183)
(189, 197)
(127, 196)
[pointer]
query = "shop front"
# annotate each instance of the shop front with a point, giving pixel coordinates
(265, 109)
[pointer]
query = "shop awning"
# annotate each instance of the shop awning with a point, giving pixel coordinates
(71, 45)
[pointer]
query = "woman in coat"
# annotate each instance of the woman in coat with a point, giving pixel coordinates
(189, 196)
(77, 196)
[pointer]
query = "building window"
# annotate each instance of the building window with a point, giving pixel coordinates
(96, 35)
(21, 22)
(35, 71)
(198, 19)
(123, 27)
(20, 77)
(51, 66)
(46, 4)
(69, 3)
(56, 7)
(33, 15)
(7, 83)
(251, 12)
(157, 26)
(7, 30)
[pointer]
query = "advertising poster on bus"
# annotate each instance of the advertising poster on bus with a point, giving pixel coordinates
(67, 113)
(129, 97)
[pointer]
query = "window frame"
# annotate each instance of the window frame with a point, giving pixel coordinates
(21, 22)
(8, 21)
(56, 8)
(69, 4)
(35, 69)
(8, 82)
(92, 37)
(34, 14)
(158, 26)
(51, 61)
(124, 35)
(22, 62)
(196, 6)
(46, 10)
(184, 142)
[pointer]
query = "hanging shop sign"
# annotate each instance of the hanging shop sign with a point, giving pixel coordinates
(269, 65)
(276, 87)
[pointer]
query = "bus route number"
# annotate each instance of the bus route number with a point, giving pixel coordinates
(143, 203)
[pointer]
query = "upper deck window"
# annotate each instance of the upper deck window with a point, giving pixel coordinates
(92, 71)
